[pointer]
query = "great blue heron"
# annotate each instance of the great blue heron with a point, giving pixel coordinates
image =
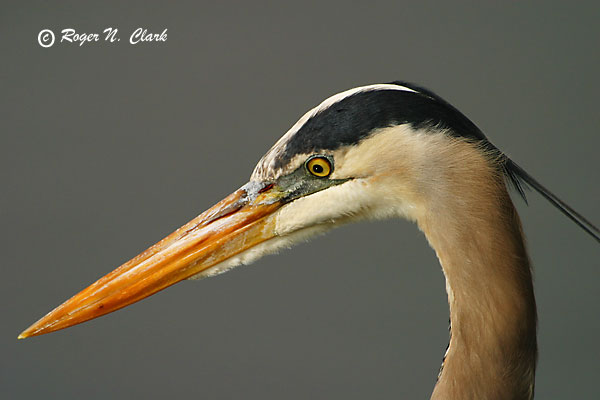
(373, 152)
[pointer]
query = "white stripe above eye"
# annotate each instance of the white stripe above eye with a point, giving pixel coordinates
(269, 158)
(336, 98)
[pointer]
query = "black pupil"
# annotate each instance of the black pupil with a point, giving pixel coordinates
(317, 169)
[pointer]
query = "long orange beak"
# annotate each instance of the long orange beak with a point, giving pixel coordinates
(238, 222)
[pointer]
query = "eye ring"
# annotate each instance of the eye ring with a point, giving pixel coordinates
(319, 166)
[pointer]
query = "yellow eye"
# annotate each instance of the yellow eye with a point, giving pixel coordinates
(319, 166)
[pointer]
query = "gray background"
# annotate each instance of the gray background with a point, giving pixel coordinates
(107, 148)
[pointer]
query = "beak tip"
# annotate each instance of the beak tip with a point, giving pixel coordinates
(33, 330)
(23, 335)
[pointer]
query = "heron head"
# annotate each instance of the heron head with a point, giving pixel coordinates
(363, 153)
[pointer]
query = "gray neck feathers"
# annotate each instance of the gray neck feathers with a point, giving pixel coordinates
(478, 239)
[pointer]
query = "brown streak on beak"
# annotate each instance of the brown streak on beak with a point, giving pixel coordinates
(226, 229)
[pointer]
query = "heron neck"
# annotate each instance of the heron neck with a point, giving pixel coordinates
(492, 351)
